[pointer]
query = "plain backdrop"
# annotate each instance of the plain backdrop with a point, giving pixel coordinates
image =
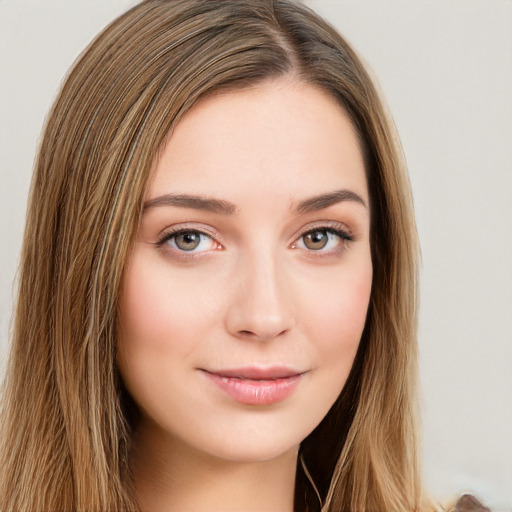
(445, 68)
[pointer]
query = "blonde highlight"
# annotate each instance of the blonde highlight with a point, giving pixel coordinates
(66, 418)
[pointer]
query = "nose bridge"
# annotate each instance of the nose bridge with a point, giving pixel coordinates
(260, 308)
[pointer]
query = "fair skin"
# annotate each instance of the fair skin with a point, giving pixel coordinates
(244, 297)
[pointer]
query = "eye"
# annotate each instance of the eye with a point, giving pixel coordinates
(322, 239)
(316, 240)
(189, 241)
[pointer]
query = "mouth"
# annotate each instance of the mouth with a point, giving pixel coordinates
(256, 386)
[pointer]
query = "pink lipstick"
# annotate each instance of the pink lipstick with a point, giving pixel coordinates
(256, 386)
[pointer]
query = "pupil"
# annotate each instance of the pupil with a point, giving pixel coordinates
(316, 240)
(188, 241)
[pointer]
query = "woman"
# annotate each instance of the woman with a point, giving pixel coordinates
(217, 302)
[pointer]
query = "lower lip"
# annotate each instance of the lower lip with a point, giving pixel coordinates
(256, 392)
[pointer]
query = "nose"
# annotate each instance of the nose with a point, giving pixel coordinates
(261, 308)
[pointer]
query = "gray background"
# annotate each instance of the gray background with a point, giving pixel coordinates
(445, 67)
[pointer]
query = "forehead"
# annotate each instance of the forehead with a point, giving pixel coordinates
(279, 138)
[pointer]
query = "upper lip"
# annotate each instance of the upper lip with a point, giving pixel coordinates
(257, 373)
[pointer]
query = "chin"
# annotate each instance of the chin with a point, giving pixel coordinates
(252, 451)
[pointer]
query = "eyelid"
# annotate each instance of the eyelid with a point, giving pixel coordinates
(339, 229)
(202, 229)
(189, 226)
(327, 225)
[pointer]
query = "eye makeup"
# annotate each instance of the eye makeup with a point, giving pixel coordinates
(323, 239)
(187, 242)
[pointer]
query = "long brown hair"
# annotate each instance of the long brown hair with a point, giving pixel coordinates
(66, 419)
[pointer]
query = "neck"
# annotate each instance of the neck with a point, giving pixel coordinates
(170, 476)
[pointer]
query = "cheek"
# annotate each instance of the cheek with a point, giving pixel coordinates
(159, 330)
(156, 316)
(158, 326)
(146, 313)
(336, 317)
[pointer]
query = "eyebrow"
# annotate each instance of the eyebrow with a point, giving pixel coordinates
(325, 200)
(223, 207)
(196, 202)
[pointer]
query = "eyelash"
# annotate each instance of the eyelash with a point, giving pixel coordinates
(333, 228)
(174, 232)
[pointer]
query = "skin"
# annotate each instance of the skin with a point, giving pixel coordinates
(255, 292)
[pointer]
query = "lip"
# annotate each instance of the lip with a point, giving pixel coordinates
(256, 386)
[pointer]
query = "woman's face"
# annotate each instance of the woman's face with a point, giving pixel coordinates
(246, 292)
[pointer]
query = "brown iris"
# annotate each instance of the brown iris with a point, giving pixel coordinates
(187, 240)
(316, 240)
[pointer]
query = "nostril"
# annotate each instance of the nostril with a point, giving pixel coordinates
(256, 335)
